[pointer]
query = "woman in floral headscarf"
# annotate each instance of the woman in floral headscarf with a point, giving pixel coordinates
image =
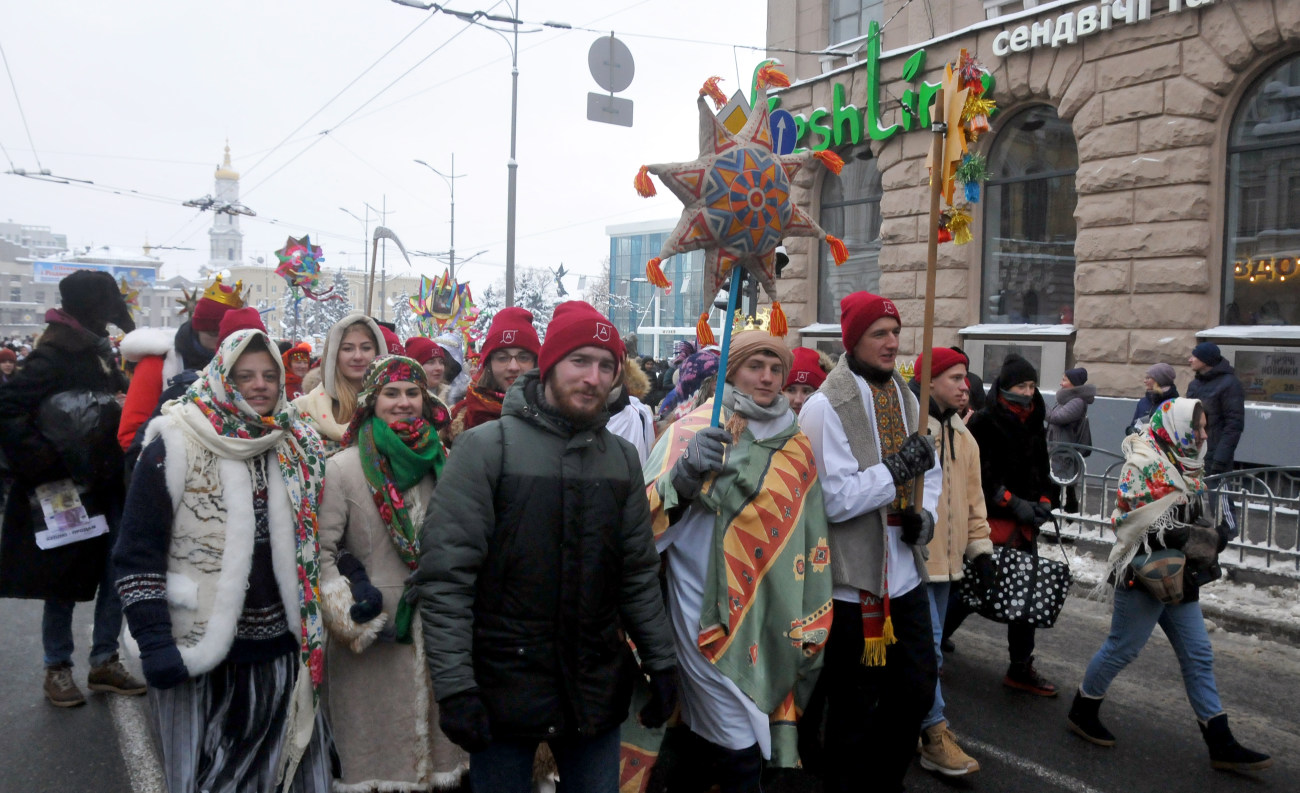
(1160, 504)
(217, 565)
(380, 700)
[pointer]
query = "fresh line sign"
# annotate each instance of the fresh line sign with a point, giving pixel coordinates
(845, 124)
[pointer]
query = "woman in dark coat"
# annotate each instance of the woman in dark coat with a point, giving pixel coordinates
(1018, 492)
(58, 424)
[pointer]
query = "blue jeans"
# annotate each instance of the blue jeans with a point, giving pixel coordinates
(585, 765)
(56, 625)
(1136, 615)
(938, 592)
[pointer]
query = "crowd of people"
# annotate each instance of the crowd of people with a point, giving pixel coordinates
(381, 568)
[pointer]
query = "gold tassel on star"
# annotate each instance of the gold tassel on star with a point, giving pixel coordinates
(655, 275)
(644, 187)
(703, 332)
(959, 225)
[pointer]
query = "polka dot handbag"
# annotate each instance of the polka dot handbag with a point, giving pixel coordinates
(1026, 588)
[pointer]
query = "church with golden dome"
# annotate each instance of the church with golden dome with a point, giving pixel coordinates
(226, 240)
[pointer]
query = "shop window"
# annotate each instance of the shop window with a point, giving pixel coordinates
(850, 210)
(1029, 226)
(996, 8)
(1262, 239)
(851, 18)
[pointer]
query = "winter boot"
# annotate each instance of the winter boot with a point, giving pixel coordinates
(940, 752)
(60, 689)
(1023, 676)
(1085, 722)
(112, 676)
(1225, 753)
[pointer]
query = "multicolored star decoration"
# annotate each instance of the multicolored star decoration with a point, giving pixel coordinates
(186, 302)
(737, 201)
(130, 296)
(300, 268)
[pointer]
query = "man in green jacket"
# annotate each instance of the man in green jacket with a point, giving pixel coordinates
(537, 556)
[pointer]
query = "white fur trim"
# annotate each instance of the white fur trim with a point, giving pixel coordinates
(172, 366)
(236, 563)
(423, 684)
(977, 547)
(182, 591)
(380, 786)
(336, 603)
(284, 558)
(178, 451)
(143, 342)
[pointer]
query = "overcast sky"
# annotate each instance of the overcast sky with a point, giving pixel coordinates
(141, 96)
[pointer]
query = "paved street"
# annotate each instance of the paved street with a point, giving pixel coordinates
(1020, 741)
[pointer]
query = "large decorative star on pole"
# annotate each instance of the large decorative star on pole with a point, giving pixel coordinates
(737, 200)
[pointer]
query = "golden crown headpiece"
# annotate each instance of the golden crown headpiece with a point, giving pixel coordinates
(760, 321)
(905, 369)
(232, 296)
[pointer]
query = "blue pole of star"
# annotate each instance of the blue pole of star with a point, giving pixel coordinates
(736, 275)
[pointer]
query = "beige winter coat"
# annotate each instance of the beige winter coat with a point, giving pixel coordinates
(962, 528)
(378, 694)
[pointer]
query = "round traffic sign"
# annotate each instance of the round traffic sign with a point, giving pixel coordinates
(611, 64)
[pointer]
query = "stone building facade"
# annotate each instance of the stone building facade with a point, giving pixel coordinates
(1144, 171)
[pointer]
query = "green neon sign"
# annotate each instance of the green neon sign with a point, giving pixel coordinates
(845, 124)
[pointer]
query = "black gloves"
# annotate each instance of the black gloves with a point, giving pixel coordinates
(368, 602)
(160, 657)
(918, 526)
(984, 574)
(663, 699)
(703, 456)
(1042, 513)
(915, 458)
(1023, 510)
(464, 719)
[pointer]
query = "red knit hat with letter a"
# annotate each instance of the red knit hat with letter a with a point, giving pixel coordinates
(944, 358)
(511, 327)
(807, 368)
(858, 311)
(576, 324)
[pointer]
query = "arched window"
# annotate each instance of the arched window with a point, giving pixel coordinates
(1262, 240)
(850, 210)
(1029, 221)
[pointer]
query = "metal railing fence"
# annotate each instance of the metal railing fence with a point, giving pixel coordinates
(1262, 502)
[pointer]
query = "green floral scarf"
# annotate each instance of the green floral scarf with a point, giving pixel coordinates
(394, 459)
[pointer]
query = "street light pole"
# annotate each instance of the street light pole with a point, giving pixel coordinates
(512, 165)
(365, 231)
(451, 183)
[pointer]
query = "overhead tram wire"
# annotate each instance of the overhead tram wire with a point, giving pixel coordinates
(21, 113)
(340, 93)
(362, 106)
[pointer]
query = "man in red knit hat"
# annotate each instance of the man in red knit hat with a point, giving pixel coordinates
(961, 532)
(509, 349)
(879, 675)
(536, 551)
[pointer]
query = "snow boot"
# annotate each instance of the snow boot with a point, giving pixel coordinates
(1085, 722)
(1024, 677)
(1225, 753)
(941, 754)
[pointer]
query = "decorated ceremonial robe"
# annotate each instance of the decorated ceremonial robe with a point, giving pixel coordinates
(766, 610)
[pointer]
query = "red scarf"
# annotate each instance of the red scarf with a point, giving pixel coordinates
(479, 406)
(1022, 412)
